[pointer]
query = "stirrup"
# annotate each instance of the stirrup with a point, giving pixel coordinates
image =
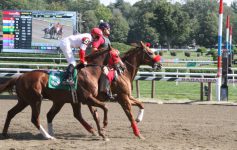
(111, 97)
(68, 82)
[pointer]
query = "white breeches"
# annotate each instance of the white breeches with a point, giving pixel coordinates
(67, 51)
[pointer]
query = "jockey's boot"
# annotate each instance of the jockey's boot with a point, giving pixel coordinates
(68, 75)
(109, 95)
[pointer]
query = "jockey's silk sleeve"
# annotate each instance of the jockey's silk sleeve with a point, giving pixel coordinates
(85, 43)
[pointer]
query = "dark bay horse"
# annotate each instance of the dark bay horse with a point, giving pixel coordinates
(49, 31)
(32, 87)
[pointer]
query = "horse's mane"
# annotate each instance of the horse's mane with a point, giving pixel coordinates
(131, 51)
(95, 55)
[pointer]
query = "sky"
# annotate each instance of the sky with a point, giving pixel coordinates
(107, 2)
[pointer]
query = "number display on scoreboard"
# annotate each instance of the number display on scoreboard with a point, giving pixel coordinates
(36, 31)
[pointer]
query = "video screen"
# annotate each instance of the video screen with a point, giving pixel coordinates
(36, 31)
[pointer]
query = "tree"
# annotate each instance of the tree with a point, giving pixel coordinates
(13, 4)
(139, 20)
(119, 28)
(90, 20)
(142, 31)
(171, 22)
(57, 6)
(234, 6)
(82, 5)
(203, 15)
(208, 31)
(103, 13)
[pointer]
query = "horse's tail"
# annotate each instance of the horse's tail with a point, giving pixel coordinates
(8, 86)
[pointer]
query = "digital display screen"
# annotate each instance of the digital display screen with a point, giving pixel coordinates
(36, 31)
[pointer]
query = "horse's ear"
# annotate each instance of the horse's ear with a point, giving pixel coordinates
(142, 44)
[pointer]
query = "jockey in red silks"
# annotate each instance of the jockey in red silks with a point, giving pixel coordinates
(114, 68)
(115, 62)
(80, 41)
(103, 41)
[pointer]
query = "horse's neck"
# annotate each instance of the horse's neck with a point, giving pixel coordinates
(132, 65)
(98, 61)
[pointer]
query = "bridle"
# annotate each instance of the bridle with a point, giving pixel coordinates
(149, 54)
(143, 57)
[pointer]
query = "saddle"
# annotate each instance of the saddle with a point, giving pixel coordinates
(56, 79)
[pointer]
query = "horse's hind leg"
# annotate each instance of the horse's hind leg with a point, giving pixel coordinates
(36, 121)
(11, 113)
(140, 105)
(51, 114)
(77, 114)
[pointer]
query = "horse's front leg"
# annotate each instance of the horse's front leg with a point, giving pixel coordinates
(77, 114)
(92, 101)
(124, 101)
(140, 105)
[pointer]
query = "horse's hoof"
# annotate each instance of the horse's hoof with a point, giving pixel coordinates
(141, 137)
(94, 133)
(51, 133)
(106, 139)
(103, 129)
(138, 120)
(51, 138)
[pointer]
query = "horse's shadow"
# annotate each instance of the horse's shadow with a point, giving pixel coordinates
(65, 136)
(74, 136)
(22, 136)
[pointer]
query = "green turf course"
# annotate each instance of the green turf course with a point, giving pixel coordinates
(164, 90)
(179, 91)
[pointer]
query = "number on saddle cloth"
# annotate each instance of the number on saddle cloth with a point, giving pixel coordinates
(56, 79)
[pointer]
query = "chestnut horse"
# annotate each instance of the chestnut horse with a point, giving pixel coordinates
(140, 55)
(31, 88)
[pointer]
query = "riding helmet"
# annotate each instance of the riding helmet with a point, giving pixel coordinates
(96, 31)
(104, 25)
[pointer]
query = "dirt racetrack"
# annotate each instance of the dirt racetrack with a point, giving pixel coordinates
(167, 126)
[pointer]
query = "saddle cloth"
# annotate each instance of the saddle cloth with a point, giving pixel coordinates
(56, 77)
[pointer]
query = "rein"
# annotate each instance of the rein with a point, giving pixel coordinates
(79, 67)
(146, 53)
(94, 65)
(142, 58)
(130, 64)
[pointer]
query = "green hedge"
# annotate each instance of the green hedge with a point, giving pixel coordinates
(121, 47)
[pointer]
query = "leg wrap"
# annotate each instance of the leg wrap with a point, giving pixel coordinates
(135, 129)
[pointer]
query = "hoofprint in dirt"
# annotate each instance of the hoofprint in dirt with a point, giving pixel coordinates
(167, 126)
